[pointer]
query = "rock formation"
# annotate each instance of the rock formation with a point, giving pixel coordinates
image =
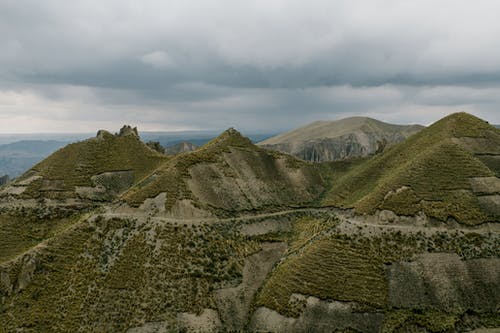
(128, 130)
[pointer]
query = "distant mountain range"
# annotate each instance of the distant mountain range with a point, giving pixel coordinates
(341, 139)
(17, 157)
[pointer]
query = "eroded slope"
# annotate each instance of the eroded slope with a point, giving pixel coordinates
(231, 175)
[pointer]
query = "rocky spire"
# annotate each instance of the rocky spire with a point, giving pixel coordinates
(128, 130)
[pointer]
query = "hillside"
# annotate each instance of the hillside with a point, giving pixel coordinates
(340, 274)
(230, 174)
(448, 170)
(334, 140)
(232, 237)
(96, 169)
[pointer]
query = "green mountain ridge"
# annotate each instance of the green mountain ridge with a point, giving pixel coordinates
(436, 171)
(231, 174)
(76, 166)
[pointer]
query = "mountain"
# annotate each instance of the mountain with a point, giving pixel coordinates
(449, 170)
(230, 174)
(335, 140)
(163, 249)
(411, 250)
(97, 169)
(180, 147)
(234, 237)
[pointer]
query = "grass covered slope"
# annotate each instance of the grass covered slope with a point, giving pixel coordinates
(111, 275)
(433, 171)
(377, 271)
(230, 173)
(75, 165)
(23, 230)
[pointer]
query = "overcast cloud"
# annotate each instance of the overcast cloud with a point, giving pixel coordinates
(260, 65)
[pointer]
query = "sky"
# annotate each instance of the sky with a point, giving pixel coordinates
(258, 66)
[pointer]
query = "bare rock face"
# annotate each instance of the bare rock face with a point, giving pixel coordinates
(127, 130)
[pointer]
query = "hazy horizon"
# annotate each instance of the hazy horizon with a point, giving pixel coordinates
(212, 131)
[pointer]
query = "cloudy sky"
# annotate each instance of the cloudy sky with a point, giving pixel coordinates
(259, 65)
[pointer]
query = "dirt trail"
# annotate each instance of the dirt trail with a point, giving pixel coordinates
(350, 223)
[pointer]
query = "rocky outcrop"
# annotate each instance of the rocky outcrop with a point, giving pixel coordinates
(127, 130)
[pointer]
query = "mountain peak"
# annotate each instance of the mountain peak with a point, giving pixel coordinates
(462, 124)
(231, 131)
(230, 137)
(462, 117)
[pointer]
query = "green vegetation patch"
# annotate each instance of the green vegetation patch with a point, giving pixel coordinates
(20, 231)
(329, 269)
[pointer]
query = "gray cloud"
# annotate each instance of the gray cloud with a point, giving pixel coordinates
(257, 65)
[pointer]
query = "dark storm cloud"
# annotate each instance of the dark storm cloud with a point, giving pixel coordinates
(257, 65)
